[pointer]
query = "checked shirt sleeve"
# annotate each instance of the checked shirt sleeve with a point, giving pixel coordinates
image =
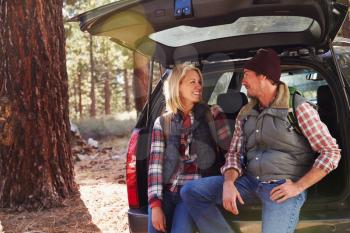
(319, 138)
(222, 127)
(155, 166)
(235, 151)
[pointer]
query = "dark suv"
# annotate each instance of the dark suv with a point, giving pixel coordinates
(218, 36)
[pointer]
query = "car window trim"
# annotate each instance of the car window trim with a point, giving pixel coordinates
(150, 82)
(339, 72)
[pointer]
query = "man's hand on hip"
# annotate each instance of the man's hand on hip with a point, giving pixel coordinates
(292, 189)
(285, 191)
(230, 196)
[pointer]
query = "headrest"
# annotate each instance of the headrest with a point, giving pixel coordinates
(232, 101)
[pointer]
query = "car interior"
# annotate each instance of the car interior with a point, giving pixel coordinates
(222, 86)
(230, 95)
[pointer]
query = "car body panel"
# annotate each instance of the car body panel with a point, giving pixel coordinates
(138, 224)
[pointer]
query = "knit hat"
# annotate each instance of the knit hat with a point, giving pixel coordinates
(266, 62)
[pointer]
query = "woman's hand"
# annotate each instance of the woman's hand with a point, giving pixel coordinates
(158, 219)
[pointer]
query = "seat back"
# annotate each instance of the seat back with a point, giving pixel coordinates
(231, 103)
(328, 115)
(327, 109)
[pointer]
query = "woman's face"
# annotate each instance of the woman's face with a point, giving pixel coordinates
(190, 88)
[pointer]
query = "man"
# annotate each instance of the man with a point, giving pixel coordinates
(280, 161)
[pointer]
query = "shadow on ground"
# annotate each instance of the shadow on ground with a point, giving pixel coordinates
(73, 218)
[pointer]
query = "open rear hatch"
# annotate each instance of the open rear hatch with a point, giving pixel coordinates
(171, 30)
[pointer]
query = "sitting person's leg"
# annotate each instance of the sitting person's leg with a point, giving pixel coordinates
(202, 197)
(182, 221)
(280, 217)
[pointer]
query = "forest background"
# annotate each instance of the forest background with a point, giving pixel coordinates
(105, 90)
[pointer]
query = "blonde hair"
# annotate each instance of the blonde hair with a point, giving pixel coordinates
(172, 86)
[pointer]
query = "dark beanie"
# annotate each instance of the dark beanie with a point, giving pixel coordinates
(266, 62)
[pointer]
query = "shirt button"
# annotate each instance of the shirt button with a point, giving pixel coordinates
(258, 177)
(257, 131)
(257, 158)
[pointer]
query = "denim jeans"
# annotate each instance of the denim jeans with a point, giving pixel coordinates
(202, 197)
(178, 220)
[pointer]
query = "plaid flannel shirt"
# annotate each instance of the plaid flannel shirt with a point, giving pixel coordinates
(187, 169)
(311, 126)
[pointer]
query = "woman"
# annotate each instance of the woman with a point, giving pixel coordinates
(185, 146)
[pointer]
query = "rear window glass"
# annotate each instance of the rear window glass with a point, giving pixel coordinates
(185, 35)
(221, 87)
(305, 81)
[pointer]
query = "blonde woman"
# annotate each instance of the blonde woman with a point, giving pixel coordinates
(186, 145)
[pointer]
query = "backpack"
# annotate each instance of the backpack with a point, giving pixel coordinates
(292, 117)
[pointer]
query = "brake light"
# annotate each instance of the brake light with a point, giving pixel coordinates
(131, 176)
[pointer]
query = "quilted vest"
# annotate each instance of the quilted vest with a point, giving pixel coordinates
(273, 148)
(203, 143)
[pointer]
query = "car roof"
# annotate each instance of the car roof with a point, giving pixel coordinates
(235, 28)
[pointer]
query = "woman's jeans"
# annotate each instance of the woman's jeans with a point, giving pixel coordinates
(177, 217)
(202, 197)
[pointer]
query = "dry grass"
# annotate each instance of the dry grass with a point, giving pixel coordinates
(101, 206)
(110, 125)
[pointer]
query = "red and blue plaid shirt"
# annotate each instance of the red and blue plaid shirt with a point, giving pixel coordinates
(311, 126)
(187, 169)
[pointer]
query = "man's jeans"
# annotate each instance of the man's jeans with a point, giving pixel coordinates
(177, 217)
(201, 197)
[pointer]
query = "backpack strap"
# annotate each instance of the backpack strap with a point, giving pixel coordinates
(292, 118)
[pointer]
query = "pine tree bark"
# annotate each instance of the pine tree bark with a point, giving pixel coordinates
(36, 166)
(140, 80)
(75, 97)
(127, 91)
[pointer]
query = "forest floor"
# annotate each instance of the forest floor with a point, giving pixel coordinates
(101, 206)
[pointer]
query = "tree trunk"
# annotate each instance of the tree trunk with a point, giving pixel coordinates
(80, 104)
(127, 91)
(107, 92)
(140, 80)
(36, 166)
(75, 96)
(92, 71)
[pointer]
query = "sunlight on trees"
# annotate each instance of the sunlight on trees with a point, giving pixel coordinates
(100, 71)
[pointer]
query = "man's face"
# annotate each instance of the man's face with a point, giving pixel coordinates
(253, 83)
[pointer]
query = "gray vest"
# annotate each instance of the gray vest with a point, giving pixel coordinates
(273, 149)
